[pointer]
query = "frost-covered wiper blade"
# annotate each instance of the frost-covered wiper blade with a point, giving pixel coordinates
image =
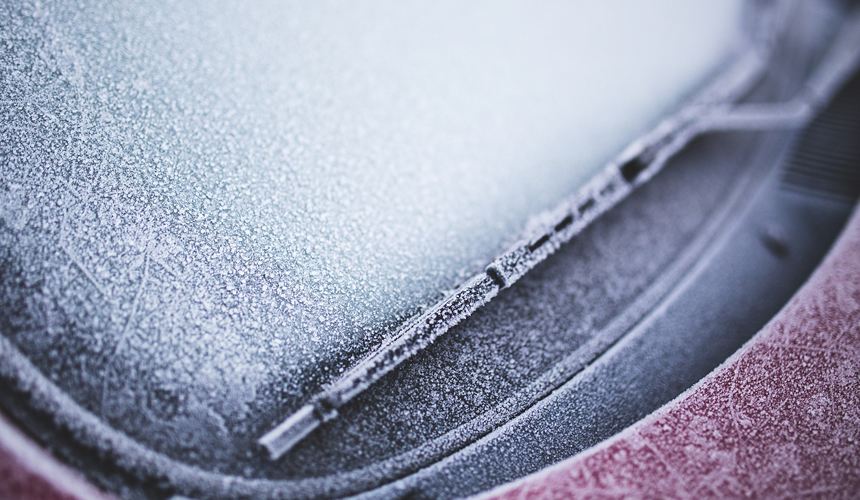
(714, 109)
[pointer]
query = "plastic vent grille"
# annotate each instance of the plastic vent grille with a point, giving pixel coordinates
(826, 161)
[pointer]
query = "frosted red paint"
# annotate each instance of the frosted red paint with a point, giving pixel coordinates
(779, 419)
(27, 472)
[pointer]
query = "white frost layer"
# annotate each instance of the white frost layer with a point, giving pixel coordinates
(392, 150)
(258, 187)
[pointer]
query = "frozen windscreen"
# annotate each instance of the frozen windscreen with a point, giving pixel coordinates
(229, 194)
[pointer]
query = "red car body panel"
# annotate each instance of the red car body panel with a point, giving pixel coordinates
(28, 472)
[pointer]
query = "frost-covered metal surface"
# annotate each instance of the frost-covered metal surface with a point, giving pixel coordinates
(779, 419)
(211, 210)
(27, 472)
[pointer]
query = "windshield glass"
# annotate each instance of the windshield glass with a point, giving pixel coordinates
(223, 193)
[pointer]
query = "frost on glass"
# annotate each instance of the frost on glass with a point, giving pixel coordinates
(221, 203)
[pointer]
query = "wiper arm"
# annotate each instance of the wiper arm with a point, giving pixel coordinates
(714, 109)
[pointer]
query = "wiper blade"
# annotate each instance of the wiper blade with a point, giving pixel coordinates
(715, 108)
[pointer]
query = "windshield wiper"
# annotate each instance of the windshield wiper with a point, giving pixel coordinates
(715, 108)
